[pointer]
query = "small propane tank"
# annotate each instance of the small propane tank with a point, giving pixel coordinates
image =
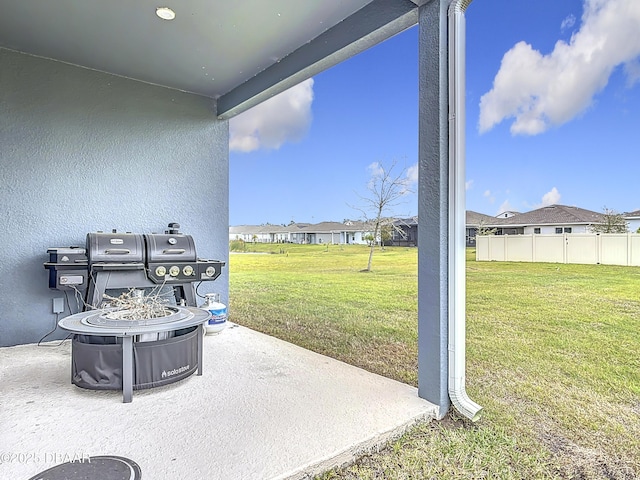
(218, 311)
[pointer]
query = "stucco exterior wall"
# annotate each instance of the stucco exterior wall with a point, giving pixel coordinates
(634, 225)
(551, 229)
(82, 151)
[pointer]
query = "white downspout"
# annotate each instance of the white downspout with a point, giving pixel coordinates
(457, 213)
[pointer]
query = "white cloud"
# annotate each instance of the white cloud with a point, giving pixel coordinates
(632, 69)
(375, 169)
(285, 117)
(468, 184)
(568, 22)
(540, 91)
(412, 173)
(550, 198)
(487, 194)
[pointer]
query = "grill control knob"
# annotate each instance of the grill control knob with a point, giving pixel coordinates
(174, 271)
(161, 271)
(187, 270)
(210, 271)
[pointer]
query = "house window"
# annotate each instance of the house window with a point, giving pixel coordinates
(536, 230)
(567, 229)
(559, 230)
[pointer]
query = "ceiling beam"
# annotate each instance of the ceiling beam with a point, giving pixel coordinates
(369, 26)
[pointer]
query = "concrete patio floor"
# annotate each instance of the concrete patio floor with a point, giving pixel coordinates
(263, 409)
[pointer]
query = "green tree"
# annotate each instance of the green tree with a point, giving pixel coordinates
(386, 233)
(237, 245)
(370, 239)
(612, 222)
(483, 229)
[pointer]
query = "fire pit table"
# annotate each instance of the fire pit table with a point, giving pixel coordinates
(109, 353)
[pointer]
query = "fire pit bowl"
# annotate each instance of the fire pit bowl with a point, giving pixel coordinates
(103, 349)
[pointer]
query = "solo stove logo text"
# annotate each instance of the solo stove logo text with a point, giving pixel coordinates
(175, 371)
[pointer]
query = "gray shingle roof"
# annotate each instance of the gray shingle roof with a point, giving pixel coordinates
(474, 219)
(255, 229)
(554, 215)
(328, 227)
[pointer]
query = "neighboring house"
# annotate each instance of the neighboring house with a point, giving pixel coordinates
(337, 233)
(553, 219)
(302, 233)
(405, 232)
(296, 233)
(474, 221)
(633, 220)
(259, 233)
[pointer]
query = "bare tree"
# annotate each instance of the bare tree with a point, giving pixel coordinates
(612, 222)
(385, 190)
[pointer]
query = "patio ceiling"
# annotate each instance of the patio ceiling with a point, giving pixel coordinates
(238, 52)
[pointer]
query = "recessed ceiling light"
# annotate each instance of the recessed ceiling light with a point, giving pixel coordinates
(165, 13)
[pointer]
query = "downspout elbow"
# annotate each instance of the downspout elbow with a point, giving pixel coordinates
(457, 214)
(463, 404)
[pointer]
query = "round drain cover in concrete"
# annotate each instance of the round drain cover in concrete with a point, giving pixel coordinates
(93, 468)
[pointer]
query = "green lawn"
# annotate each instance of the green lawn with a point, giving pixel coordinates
(553, 356)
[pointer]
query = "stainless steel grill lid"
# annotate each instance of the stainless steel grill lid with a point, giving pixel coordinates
(115, 248)
(162, 248)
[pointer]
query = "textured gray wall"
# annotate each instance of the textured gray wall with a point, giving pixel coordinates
(433, 207)
(82, 151)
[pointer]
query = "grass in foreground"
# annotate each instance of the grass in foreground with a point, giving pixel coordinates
(553, 355)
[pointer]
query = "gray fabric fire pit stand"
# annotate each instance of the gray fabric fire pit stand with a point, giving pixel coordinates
(112, 354)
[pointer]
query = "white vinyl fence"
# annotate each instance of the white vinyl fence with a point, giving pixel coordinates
(586, 248)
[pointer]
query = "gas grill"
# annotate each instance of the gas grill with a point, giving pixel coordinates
(118, 260)
(166, 349)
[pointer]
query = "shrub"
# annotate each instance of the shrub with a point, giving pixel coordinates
(237, 246)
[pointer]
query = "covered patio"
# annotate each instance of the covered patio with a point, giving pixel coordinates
(115, 116)
(263, 408)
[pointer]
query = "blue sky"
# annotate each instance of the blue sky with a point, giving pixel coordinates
(552, 105)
